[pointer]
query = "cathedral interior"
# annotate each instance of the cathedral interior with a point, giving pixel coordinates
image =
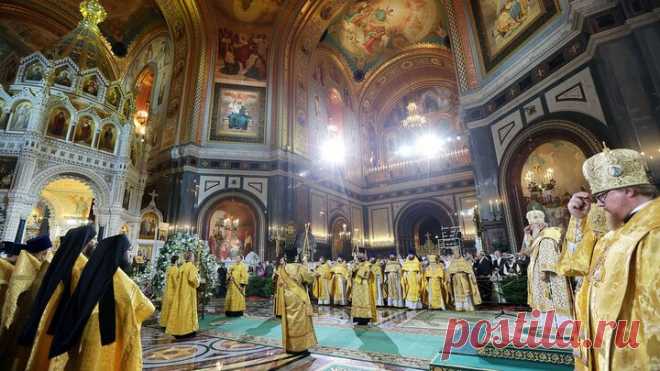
(341, 128)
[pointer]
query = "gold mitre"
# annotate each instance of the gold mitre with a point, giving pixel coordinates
(613, 169)
(432, 258)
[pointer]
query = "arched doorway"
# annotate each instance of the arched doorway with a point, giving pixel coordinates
(63, 203)
(541, 169)
(340, 243)
(233, 224)
(419, 221)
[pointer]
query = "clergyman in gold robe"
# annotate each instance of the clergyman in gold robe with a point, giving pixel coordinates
(412, 282)
(363, 302)
(297, 327)
(278, 299)
(29, 269)
(101, 324)
(393, 291)
(377, 285)
(546, 290)
(462, 284)
(57, 285)
(434, 283)
(237, 280)
(182, 319)
(340, 282)
(171, 283)
(322, 282)
(622, 280)
(11, 251)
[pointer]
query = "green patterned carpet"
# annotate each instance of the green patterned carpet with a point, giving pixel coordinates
(387, 345)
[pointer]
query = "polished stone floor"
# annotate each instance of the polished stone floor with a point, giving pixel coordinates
(215, 348)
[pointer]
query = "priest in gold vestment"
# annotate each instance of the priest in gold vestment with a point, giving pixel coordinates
(322, 282)
(237, 280)
(278, 299)
(101, 324)
(393, 289)
(462, 284)
(621, 283)
(11, 251)
(29, 270)
(182, 318)
(297, 327)
(59, 282)
(171, 283)
(412, 282)
(546, 290)
(377, 285)
(434, 284)
(340, 282)
(363, 302)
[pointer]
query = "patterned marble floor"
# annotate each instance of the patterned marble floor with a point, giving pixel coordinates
(212, 349)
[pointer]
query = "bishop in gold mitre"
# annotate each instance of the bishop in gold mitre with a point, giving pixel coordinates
(412, 282)
(546, 290)
(171, 284)
(434, 284)
(297, 326)
(99, 328)
(393, 289)
(237, 280)
(341, 283)
(462, 283)
(322, 282)
(182, 319)
(622, 280)
(29, 269)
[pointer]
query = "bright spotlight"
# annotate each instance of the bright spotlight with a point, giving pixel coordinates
(427, 145)
(333, 151)
(406, 151)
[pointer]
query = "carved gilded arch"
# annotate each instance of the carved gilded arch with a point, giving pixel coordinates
(190, 84)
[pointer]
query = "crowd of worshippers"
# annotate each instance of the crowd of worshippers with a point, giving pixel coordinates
(74, 309)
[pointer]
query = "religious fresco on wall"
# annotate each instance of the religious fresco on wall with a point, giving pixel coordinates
(238, 114)
(34, 72)
(438, 105)
(58, 124)
(4, 116)
(7, 169)
(148, 226)
(369, 32)
(502, 25)
(550, 175)
(231, 229)
(107, 138)
(84, 131)
(21, 117)
(63, 76)
(91, 86)
(242, 55)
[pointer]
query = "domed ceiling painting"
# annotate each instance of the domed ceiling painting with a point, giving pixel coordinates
(250, 11)
(369, 32)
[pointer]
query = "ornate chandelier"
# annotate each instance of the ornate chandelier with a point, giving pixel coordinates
(414, 119)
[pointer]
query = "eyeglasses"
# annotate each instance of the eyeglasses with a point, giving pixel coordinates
(601, 197)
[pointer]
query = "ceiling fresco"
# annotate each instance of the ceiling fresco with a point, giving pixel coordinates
(258, 12)
(369, 32)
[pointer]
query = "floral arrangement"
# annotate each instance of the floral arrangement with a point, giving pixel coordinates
(152, 281)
